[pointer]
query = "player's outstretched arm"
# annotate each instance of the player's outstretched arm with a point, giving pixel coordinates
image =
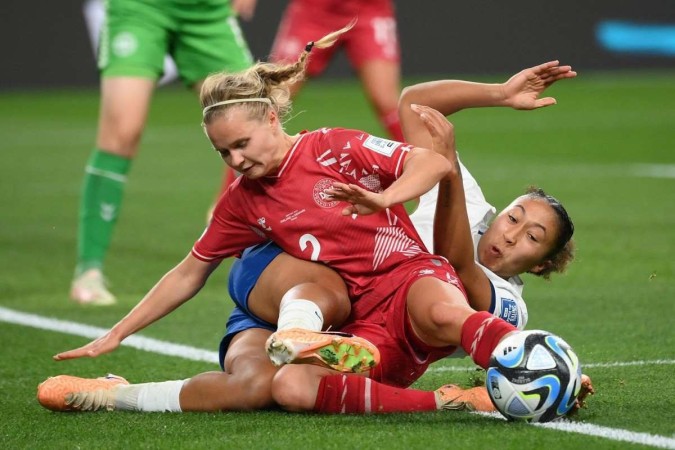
(452, 231)
(521, 91)
(175, 288)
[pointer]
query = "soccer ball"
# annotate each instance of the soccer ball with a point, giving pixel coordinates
(533, 376)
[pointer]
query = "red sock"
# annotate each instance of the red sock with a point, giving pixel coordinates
(391, 122)
(480, 335)
(350, 394)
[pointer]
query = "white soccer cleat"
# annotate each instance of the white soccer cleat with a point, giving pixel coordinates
(90, 289)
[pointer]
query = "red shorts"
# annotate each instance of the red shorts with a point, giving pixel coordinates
(385, 323)
(374, 36)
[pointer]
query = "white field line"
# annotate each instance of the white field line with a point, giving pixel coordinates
(653, 170)
(198, 354)
(614, 434)
(88, 331)
(653, 362)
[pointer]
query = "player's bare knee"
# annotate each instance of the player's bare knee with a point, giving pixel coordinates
(120, 136)
(254, 375)
(289, 391)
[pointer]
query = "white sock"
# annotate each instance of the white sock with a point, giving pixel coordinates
(149, 397)
(299, 313)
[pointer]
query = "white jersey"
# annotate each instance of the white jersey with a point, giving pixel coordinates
(507, 295)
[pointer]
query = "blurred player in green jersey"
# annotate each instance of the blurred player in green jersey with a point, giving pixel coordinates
(202, 36)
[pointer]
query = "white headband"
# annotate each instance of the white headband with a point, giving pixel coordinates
(236, 100)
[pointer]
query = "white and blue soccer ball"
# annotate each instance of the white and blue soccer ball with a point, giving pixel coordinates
(533, 376)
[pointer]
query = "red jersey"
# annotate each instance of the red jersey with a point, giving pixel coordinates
(290, 208)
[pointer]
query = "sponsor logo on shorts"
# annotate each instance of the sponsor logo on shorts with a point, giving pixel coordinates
(124, 44)
(320, 197)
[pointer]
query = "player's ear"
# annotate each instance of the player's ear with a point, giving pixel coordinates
(539, 268)
(273, 118)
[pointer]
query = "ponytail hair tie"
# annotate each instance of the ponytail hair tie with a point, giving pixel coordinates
(309, 46)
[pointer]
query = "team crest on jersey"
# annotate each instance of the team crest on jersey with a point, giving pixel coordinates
(320, 197)
(124, 44)
(382, 146)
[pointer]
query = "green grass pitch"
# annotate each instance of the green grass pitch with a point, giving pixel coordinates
(607, 150)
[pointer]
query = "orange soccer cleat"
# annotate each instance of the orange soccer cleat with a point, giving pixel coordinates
(454, 397)
(69, 393)
(339, 351)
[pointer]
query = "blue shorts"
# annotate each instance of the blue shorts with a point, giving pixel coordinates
(244, 274)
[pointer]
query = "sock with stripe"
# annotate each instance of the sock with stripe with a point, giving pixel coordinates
(481, 333)
(102, 192)
(342, 394)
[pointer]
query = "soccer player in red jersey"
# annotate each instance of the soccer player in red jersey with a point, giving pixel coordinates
(286, 167)
(372, 47)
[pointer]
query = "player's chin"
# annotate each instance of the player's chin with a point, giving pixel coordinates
(253, 173)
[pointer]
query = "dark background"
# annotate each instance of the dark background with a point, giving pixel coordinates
(45, 43)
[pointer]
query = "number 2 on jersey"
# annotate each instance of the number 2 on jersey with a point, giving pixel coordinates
(314, 242)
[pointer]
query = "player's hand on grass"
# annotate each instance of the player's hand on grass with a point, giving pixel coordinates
(362, 201)
(522, 90)
(105, 344)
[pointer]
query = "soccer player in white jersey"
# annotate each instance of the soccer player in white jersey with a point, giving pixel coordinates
(484, 261)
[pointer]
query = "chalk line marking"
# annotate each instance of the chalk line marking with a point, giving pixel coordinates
(91, 332)
(653, 170)
(198, 354)
(653, 362)
(614, 434)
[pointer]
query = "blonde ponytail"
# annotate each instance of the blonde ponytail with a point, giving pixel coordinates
(258, 83)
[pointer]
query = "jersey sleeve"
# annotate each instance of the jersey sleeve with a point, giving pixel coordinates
(478, 209)
(507, 300)
(373, 162)
(423, 217)
(226, 235)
